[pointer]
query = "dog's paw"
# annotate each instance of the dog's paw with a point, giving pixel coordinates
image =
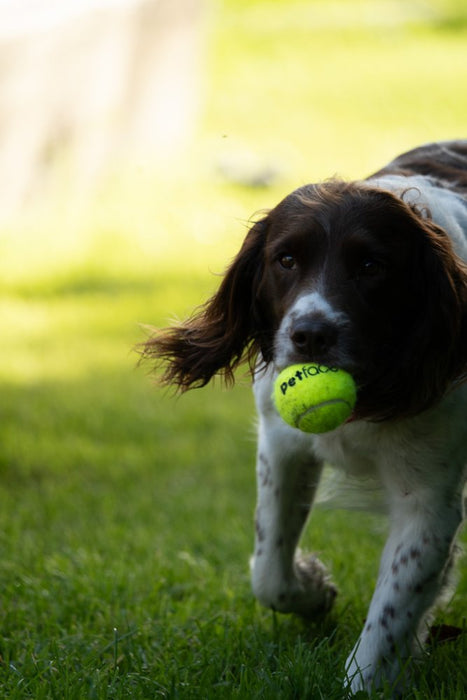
(369, 670)
(315, 593)
(305, 590)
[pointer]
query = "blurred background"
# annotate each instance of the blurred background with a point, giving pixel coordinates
(133, 129)
(137, 140)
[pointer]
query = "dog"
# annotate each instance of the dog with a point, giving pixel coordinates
(369, 276)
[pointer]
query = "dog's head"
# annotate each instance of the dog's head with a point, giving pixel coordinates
(343, 274)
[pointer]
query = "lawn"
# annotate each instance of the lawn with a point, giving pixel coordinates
(127, 514)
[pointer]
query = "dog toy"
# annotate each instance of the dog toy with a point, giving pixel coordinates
(314, 398)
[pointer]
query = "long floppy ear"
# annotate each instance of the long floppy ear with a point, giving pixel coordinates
(446, 311)
(429, 355)
(433, 357)
(221, 333)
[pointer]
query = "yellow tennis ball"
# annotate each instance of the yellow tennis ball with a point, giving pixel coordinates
(314, 398)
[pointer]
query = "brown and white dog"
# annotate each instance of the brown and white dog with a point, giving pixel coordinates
(371, 277)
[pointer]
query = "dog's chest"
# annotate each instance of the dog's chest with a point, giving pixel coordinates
(353, 448)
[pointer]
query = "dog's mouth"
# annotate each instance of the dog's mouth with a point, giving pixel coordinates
(351, 419)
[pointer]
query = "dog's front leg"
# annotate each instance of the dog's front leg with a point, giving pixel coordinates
(414, 569)
(287, 477)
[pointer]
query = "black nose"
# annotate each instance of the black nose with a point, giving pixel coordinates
(313, 337)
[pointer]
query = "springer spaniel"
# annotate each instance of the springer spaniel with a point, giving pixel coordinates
(369, 276)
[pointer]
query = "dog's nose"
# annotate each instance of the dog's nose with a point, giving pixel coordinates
(313, 337)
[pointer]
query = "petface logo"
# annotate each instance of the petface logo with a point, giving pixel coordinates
(304, 373)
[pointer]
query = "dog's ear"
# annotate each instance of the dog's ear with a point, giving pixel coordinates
(426, 355)
(432, 355)
(223, 332)
(443, 315)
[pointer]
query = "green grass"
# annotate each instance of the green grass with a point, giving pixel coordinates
(126, 515)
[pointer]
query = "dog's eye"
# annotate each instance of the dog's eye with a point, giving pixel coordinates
(370, 268)
(287, 261)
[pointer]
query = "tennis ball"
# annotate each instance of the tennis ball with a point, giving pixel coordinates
(314, 398)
